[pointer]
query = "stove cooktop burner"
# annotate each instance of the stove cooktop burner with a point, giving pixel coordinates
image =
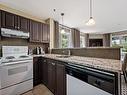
(23, 56)
(10, 57)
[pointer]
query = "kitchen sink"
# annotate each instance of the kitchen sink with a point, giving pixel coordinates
(63, 56)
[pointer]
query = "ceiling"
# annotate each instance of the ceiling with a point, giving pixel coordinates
(110, 15)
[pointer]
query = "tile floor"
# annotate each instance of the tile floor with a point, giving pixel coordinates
(42, 90)
(39, 90)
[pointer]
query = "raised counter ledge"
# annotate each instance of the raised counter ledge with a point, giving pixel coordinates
(98, 63)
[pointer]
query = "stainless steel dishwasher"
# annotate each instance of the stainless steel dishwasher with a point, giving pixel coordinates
(88, 81)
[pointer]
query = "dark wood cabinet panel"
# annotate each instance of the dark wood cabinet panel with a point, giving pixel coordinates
(45, 72)
(40, 32)
(0, 18)
(23, 24)
(0, 24)
(51, 75)
(8, 20)
(34, 31)
(46, 33)
(60, 79)
(13, 21)
(36, 71)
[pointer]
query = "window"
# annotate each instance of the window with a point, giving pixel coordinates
(120, 41)
(82, 41)
(65, 37)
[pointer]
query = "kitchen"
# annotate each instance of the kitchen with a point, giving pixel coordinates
(53, 51)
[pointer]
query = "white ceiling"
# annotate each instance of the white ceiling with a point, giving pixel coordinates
(110, 15)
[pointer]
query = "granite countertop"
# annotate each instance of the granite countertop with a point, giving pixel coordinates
(99, 63)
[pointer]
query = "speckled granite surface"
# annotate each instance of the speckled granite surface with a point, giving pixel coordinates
(99, 63)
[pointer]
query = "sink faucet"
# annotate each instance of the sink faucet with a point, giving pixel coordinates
(69, 53)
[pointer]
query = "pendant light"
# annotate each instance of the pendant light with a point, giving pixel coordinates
(91, 21)
(62, 30)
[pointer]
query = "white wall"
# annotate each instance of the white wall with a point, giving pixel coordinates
(95, 36)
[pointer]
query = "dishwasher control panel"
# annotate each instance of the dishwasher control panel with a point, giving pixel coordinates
(103, 81)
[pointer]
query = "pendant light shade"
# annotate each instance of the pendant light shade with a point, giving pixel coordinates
(91, 21)
(62, 30)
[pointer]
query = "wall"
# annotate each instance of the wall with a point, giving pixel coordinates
(95, 36)
(106, 40)
(98, 52)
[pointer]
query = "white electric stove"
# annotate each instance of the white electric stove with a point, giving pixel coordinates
(16, 70)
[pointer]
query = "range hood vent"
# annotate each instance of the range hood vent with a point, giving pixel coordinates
(14, 33)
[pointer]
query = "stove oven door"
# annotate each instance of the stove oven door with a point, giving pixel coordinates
(16, 72)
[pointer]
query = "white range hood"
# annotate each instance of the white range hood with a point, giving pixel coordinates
(14, 33)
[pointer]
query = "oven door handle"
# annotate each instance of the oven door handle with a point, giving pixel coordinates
(16, 63)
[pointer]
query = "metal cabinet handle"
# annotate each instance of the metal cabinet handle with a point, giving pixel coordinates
(53, 63)
(98, 82)
(44, 60)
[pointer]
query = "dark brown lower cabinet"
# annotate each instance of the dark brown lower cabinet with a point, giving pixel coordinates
(44, 72)
(54, 76)
(37, 73)
(51, 75)
(60, 79)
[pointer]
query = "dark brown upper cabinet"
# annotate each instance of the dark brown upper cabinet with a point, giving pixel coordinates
(23, 24)
(39, 32)
(0, 19)
(8, 20)
(0, 24)
(12, 21)
(34, 31)
(46, 33)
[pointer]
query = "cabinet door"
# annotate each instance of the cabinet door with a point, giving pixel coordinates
(60, 80)
(45, 72)
(0, 19)
(51, 76)
(34, 31)
(46, 33)
(36, 71)
(40, 32)
(8, 20)
(0, 24)
(23, 24)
